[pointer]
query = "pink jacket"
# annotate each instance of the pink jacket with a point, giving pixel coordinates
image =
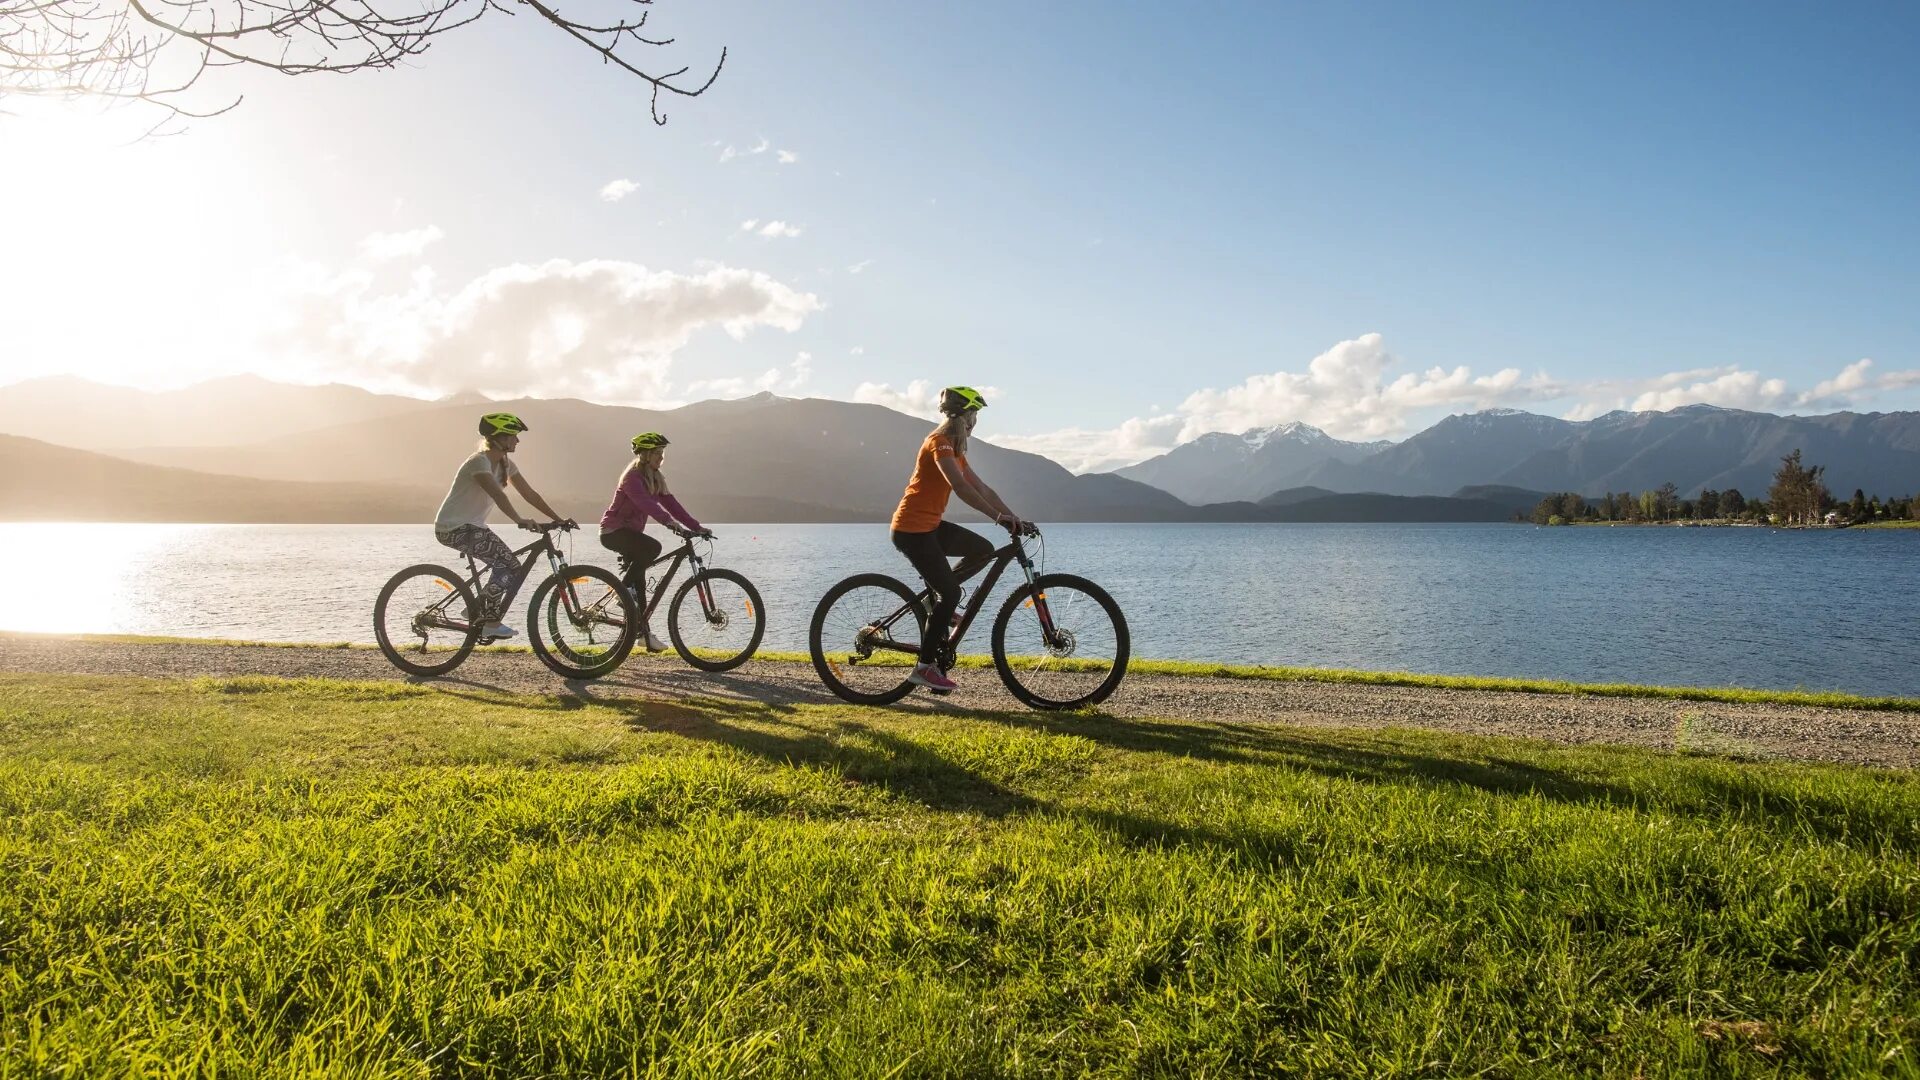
(633, 504)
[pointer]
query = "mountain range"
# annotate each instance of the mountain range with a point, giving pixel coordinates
(1219, 467)
(1693, 447)
(251, 450)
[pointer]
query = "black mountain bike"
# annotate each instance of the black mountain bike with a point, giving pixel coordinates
(579, 623)
(716, 620)
(1059, 641)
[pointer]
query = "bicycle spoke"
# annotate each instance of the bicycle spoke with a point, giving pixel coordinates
(1063, 645)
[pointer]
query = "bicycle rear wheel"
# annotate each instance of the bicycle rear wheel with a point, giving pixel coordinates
(581, 623)
(1077, 658)
(721, 627)
(426, 620)
(859, 658)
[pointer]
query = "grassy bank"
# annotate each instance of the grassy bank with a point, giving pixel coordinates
(1206, 669)
(384, 879)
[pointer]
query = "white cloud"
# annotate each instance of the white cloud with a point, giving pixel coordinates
(603, 329)
(761, 147)
(857, 350)
(615, 190)
(382, 247)
(776, 229)
(728, 155)
(1733, 387)
(1345, 391)
(1083, 450)
(787, 157)
(783, 381)
(859, 266)
(919, 398)
(750, 224)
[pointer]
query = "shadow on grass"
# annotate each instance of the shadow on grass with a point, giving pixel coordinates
(859, 752)
(1773, 796)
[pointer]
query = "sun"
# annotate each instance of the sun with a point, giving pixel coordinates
(119, 250)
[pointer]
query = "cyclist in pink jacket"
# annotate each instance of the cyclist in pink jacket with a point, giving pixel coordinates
(643, 494)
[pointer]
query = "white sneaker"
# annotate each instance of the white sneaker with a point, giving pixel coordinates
(654, 644)
(497, 631)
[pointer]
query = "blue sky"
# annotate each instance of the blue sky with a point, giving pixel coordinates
(1135, 223)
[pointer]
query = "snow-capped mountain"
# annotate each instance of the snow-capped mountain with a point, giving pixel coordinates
(1221, 467)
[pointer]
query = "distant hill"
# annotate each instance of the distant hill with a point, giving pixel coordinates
(1359, 508)
(42, 482)
(1520, 499)
(757, 458)
(237, 411)
(1692, 447)
(1225, 468)
(1477, 448)
(1294, 495)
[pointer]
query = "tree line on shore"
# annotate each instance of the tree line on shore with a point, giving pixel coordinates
(1799, 496)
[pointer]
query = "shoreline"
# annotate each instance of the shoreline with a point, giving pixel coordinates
(1181, 669)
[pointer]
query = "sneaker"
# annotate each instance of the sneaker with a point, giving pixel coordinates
(931, 677)
(654, 644)
(497, 631)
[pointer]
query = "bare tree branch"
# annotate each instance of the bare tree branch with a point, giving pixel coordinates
(156, 51)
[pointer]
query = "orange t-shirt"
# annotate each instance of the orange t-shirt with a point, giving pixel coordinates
(921, 507)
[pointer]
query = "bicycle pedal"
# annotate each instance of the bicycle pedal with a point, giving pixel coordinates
(486, 641)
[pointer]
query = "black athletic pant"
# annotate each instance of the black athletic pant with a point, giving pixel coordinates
(640, 550)
(928, 552)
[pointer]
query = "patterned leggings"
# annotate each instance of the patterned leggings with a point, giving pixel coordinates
(483, 544)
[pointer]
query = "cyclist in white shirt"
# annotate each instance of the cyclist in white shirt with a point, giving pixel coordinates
(479, 485)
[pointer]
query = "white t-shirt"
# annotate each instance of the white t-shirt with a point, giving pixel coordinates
(467, 503)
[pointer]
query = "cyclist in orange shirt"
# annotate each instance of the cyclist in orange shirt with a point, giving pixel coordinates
(941, 470)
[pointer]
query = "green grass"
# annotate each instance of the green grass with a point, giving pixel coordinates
(260, 876)
(1889, 525)
(1204, 669)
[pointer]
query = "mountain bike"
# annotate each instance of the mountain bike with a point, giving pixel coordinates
(580, 622)
(1059, 641)
(722, 628)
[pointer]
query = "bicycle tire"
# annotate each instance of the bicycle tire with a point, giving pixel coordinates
(463, 599)
(755, 610)
(828, 668)
(1029, 692)
(547, 611)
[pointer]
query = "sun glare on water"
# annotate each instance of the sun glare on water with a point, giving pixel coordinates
(63, 579)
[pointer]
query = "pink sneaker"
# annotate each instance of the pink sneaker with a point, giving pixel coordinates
(931, 677)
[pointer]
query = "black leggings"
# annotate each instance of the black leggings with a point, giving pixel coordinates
(640, 550)
(928, 552)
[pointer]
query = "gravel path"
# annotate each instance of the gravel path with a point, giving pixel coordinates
(1871, 738)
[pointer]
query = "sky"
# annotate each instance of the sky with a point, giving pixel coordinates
(1129, 224)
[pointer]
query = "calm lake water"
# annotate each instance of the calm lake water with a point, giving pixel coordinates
(1741, 607)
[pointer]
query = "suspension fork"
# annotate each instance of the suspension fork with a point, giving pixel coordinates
(1039, 599)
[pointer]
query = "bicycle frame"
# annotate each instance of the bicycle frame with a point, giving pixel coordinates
(544, 545)
(695, 564)
(996, 564)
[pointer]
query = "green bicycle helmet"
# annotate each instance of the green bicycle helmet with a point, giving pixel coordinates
(501, 423)
(959, 399)
(648, 440)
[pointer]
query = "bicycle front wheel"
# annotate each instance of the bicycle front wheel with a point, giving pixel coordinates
(426, 620)
(865, 638)
(716, 620)
(1060, 643)
(581, 623)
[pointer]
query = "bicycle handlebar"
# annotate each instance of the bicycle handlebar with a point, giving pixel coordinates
(563, 525)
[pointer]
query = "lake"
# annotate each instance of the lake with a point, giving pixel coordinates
(1818, 610)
